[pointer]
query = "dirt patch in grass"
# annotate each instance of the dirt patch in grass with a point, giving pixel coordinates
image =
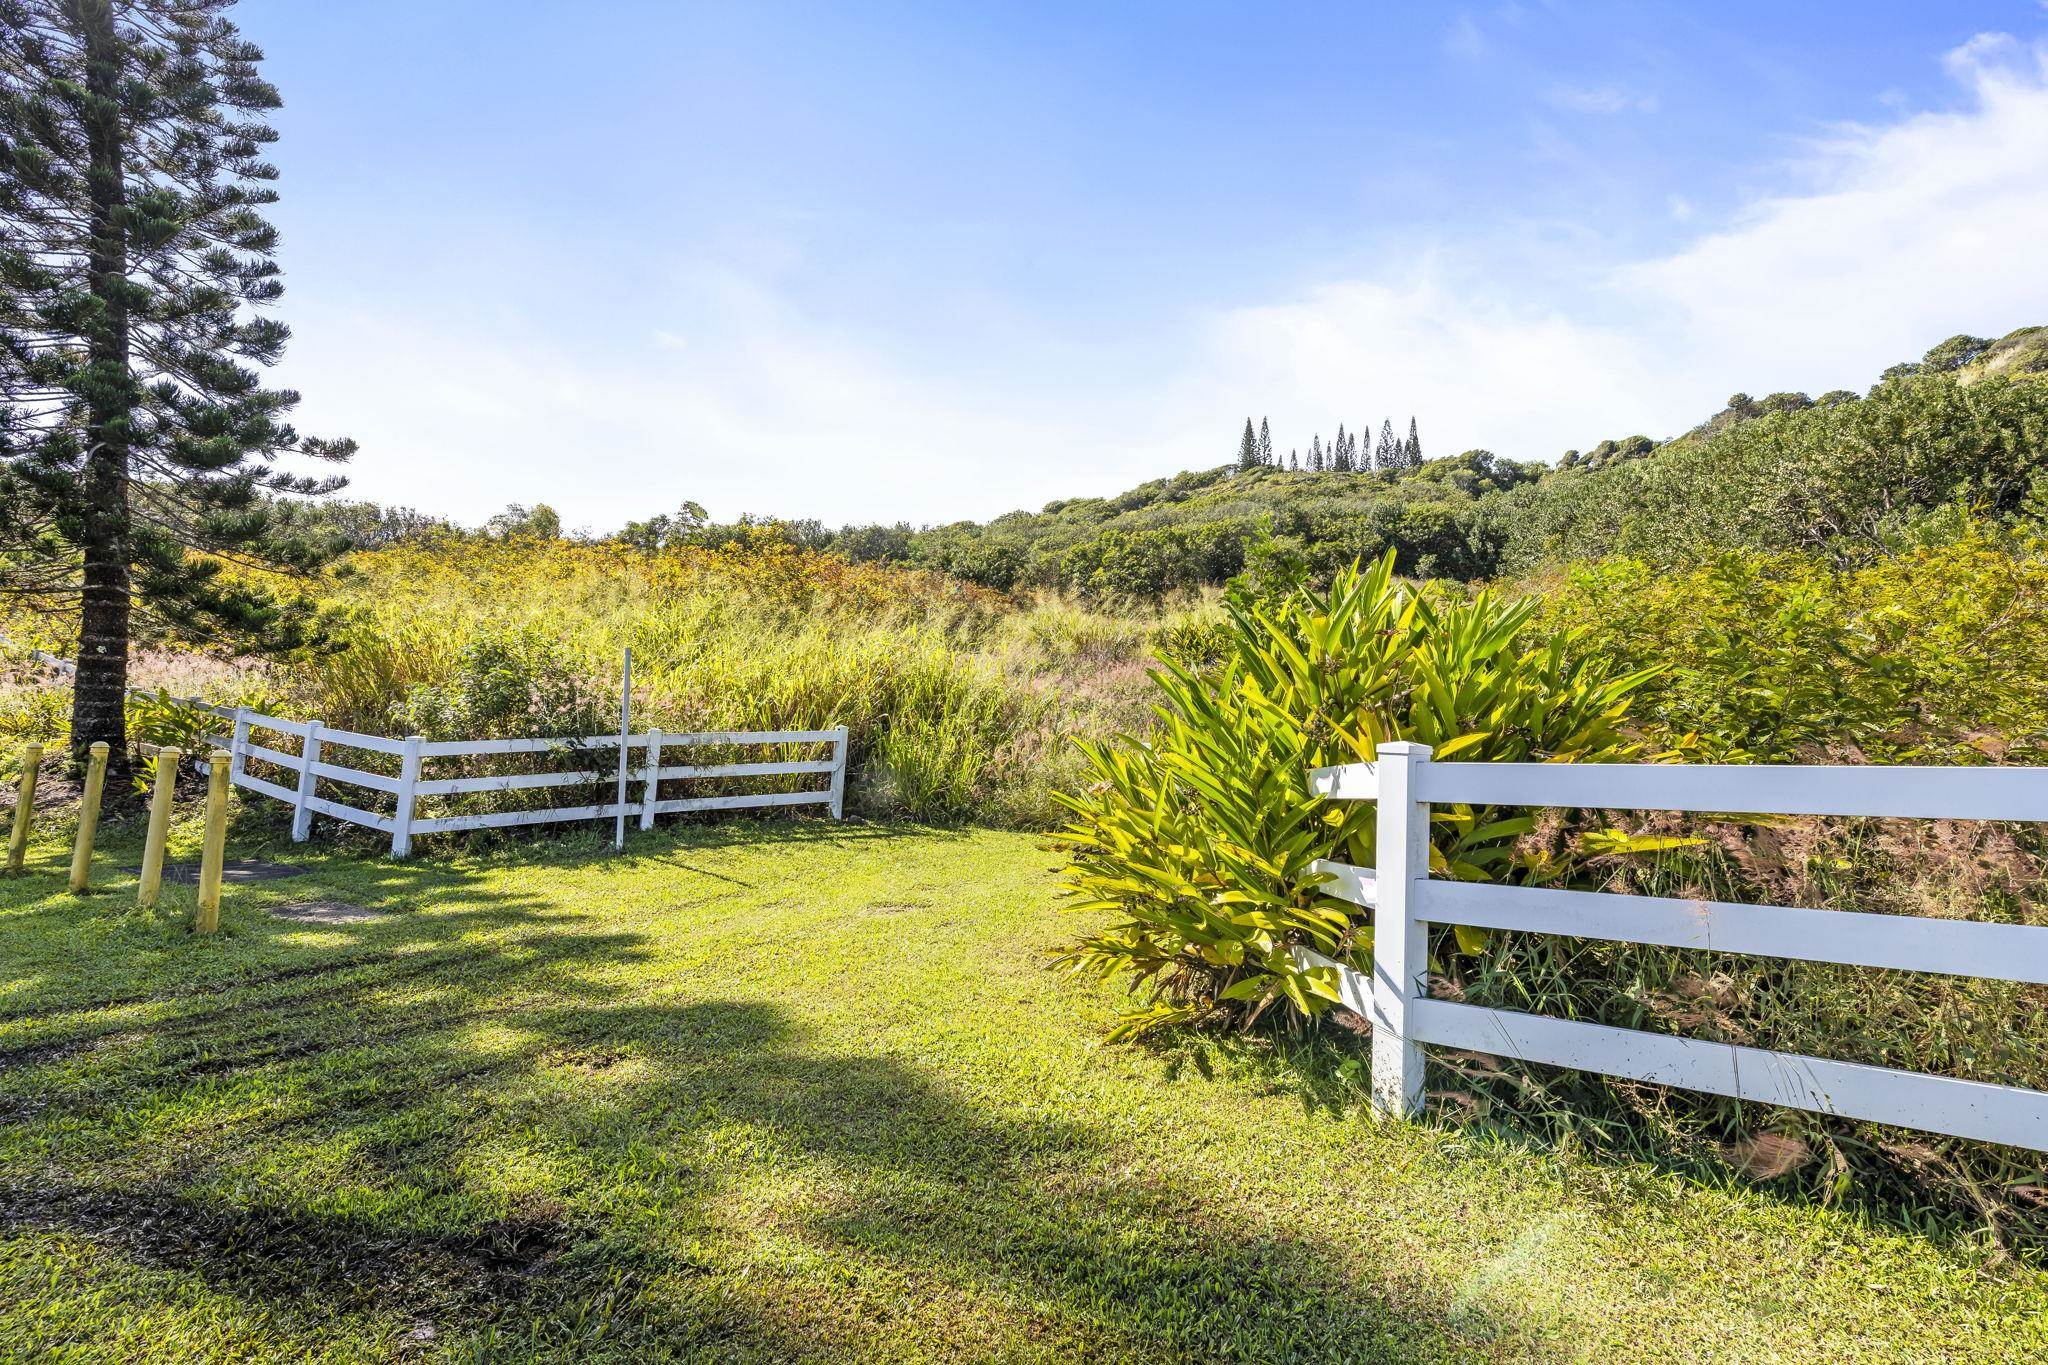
(35, 1054)
(325, 912)
(269, 1252)
(234, 870)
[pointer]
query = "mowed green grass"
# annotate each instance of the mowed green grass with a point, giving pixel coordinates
(795, 1091)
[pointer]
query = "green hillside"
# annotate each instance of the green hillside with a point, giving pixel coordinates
(1967, 423)
(1194, 528)
(1964, 428)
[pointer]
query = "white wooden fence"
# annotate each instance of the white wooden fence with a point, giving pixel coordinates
(313, 764)
(1406, 900)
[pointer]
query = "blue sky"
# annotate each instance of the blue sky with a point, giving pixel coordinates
(925, 263)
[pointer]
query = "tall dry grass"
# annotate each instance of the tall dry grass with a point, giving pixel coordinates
(959, 701)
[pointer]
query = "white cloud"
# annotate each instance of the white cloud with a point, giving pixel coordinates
(1918, 230)
(1465, 39)
(1599, 99)
(1476, 368)
(1903, 234)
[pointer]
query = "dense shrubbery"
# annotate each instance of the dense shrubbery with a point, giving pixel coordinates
(506, 684)
(1844, 480)
(1196, 529)
(1199, 837)
(1931, 654)
(1840, 475)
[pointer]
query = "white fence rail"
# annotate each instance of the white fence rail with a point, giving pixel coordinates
(1405, 901)
(313, 765)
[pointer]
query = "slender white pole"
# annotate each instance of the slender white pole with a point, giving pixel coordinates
(625, 741)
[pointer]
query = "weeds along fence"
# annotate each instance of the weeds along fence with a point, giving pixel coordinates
(1406, 900)
(421, 803)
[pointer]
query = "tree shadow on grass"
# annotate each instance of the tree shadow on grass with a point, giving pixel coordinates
(674, 1138)
(67, 955)
(461, 1123)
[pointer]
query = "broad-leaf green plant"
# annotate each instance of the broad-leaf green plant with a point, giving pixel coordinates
(1199, 839)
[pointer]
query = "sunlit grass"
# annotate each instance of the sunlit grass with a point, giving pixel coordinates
(792, 1090)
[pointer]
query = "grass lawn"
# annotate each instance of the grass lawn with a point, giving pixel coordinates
(797, 1091)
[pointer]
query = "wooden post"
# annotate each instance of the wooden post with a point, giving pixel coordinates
(24, 808)
(302, 809)
(839, 773)
(167, 761)
(408, 783)
(1400, 941)
(218, 783)
(88, 818)
(653, 779)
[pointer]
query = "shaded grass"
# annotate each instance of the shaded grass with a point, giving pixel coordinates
(798, 1091)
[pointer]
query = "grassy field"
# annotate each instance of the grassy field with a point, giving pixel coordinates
(799, 1091)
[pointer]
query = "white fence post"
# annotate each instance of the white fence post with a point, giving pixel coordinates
(1400, 940)
(839, 736)
(302, 810)
(238, 745)
(653, 779)
(408, 785)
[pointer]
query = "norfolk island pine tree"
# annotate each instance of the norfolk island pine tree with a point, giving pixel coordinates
(136, 440)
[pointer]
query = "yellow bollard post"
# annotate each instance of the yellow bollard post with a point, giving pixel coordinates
(167, 761)
(24, 808)
(88, 819)
(216, 841)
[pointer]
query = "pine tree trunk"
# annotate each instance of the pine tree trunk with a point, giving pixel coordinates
(99, 701)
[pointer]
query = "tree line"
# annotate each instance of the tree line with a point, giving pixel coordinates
(1345, 454)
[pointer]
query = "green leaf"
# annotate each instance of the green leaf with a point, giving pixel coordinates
(1471, 941)
(1461, 743)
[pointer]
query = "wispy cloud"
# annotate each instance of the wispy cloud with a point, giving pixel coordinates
(1465, 39)
(1599, 99)
(1902, 234)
